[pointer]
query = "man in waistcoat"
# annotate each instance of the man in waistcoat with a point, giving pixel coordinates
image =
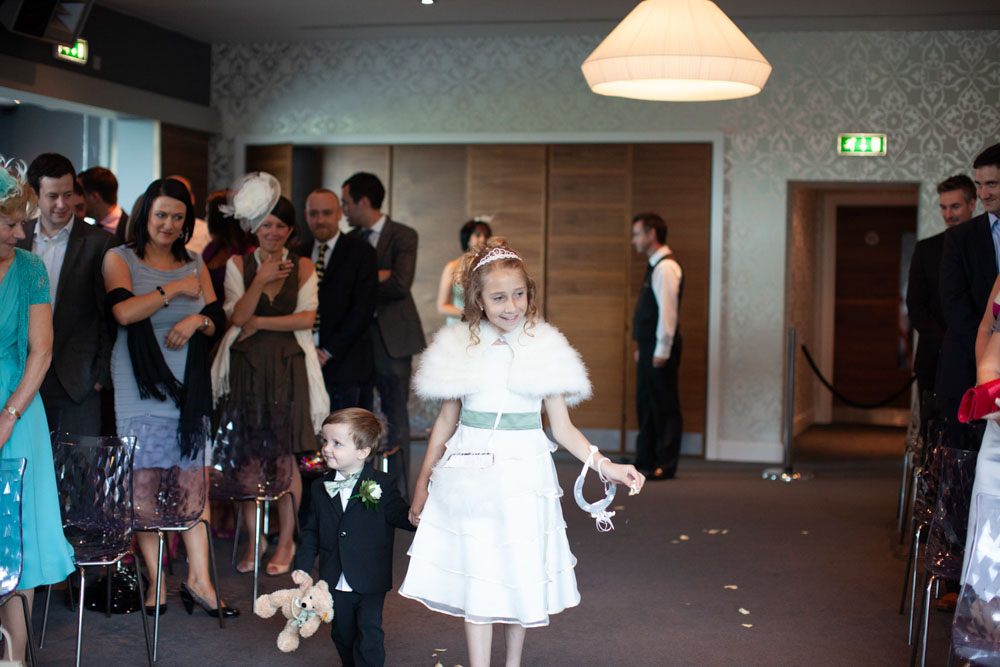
(654, 328)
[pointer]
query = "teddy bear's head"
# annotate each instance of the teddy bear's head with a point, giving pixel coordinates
(317, 599)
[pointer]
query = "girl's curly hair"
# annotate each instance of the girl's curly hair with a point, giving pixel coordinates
(472, 282)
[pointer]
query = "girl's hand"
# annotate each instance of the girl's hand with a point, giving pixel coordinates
(188, 286)
(271, 271)
(417, 506)
(248, 329)
(624, 474)
(182, 332)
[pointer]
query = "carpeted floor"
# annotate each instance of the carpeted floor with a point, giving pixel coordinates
(716, 567)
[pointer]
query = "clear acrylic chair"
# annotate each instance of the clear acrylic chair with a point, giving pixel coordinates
(946, 534)
(94, 480)
(975, 630)
(913, 452)
(251, 460)
(11, 547)
(170, 493)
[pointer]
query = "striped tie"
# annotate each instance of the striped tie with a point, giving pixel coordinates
(320, 269)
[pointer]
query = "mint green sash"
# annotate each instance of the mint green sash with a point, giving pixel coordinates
(509, 421)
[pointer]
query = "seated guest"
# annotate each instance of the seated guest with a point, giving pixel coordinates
(168, 316)
(450, 298)
(25, 353)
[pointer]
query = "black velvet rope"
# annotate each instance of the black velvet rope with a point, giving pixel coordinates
(854, 404)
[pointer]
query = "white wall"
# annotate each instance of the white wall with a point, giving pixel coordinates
(934, 93)
(135, 158)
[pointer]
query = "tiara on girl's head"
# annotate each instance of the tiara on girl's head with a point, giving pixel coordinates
(494, 255)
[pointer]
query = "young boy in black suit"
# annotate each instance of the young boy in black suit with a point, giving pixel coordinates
(350, 525)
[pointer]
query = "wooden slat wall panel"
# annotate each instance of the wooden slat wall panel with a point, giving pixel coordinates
(428, 188)
(508, 182)
(275, 160)
(340, 162)
(588, 208)
(185, 152)
(675, 180)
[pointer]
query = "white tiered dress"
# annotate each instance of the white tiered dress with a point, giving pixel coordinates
(491, 546)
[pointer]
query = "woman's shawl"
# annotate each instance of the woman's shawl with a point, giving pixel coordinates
(544, 364)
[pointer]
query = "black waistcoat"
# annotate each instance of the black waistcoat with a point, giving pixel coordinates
(647, 311)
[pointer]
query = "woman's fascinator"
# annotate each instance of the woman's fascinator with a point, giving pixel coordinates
(14, 184)
(251, 198)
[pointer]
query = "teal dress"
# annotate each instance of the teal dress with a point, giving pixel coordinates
(457, 300)
(48, 557)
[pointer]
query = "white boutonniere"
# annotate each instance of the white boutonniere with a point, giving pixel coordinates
(369, 493)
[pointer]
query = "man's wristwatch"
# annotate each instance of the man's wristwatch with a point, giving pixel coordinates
(12, 411)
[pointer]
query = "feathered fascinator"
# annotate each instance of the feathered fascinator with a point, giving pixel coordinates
(12, 178)
(251, 198)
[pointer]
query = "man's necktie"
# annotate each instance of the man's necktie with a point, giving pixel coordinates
(335, 487)
(367, 235)
(320, 269)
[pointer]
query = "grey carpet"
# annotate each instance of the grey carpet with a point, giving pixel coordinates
(816, 564)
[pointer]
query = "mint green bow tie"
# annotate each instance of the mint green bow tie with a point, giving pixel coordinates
(335, 487)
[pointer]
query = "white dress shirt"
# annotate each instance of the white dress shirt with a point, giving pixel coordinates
(330, 245)
(376, 232)
(666, 285)
(53, 252)
(345, 495)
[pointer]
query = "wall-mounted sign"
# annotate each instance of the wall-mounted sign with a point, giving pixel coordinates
(861, 144)
(75, 54)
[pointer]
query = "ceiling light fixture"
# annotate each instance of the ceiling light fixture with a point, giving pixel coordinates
(679, 51)
(427, 2)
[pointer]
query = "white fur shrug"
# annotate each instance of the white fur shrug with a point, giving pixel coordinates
(544, 364)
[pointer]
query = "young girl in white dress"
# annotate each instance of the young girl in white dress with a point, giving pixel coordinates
(491, 541)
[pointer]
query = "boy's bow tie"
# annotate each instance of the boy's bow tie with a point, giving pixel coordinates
(336, 486)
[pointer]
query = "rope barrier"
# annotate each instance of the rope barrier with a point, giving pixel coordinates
(854, 404)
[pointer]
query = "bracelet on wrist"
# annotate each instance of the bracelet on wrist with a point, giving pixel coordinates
(166, 301)
(11, 410)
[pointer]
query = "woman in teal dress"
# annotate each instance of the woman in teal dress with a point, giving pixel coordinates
(25, 353)
(451, 297)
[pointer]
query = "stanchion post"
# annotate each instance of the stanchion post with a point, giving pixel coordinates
(787, 472)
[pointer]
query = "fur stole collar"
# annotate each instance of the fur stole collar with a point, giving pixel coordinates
(544, 364)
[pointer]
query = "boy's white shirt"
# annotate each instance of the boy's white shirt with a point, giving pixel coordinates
(345, 496)
(544, 364)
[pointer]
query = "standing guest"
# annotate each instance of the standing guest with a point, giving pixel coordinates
(200, 237)
(957, 202)
(655, 329)
(101, 196)
(396, 331)
(353, 512)
(450, 298)
(25, 353)
(78, 202)
(168, 317)
(345, 269)
(73, 253)
(968, 270)
(268, 355)
(228, 240)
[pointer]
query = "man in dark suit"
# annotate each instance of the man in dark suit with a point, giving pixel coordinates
(968, 269)
(396, 331)
(345, 266)
(957, 202)
(100, 189)
(73, 252)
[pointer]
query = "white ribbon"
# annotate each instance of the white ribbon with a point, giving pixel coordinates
(598, 510)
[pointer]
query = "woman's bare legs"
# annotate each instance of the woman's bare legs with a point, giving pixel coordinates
(12, 619)
(199, 580)
(479, 638)
(287, 507)
(149, 546)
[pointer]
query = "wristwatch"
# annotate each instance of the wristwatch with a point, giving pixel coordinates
(12, 411)
(205, 322)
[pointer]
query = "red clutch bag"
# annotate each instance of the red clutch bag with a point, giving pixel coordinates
(979, 401)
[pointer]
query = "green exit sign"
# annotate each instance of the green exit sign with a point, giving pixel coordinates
(861, 144)
(74, 54)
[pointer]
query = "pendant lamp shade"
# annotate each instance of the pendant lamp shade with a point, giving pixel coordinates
(676, 50)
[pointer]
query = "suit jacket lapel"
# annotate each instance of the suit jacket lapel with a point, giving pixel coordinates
(338, 507)
(987, 257)
(74, 248)
(383, 239)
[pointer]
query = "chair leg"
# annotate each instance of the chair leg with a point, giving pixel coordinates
(902, 490)
(142, 612)
(256, 548)
(79, 618)
(913, 578)
(215, 573)
(159, 587)
(295, 514)
(267, 518)
(906, 573)
(108, 575)
(236, 529)
(27, 627)
(951, 654)
(925, 605)
(45, 615)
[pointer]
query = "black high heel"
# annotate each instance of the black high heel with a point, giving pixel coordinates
(151, 609)
(189, 597)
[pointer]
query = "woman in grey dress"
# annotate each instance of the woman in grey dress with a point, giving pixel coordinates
(168, 316)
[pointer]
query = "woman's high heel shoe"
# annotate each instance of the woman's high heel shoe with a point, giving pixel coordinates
(246, 566)
(189, 597)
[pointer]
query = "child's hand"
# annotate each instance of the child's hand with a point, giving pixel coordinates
(417, 506)
(624, 474)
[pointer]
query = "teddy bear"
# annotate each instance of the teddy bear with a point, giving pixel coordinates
(305, 608)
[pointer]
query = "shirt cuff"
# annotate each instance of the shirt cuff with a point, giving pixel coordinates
(663, 350)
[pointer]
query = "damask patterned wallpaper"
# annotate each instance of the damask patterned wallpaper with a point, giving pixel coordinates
(937, 95)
